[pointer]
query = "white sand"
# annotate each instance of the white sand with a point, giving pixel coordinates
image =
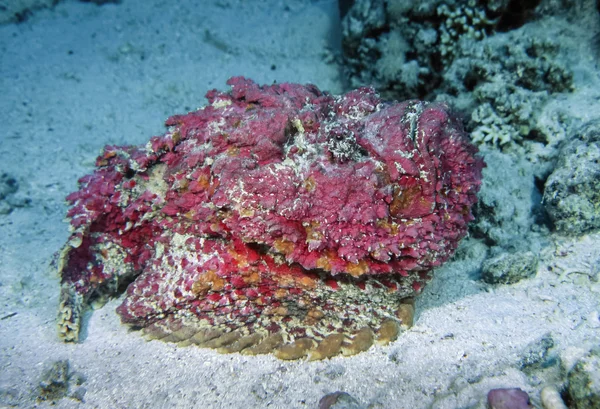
(81, 76)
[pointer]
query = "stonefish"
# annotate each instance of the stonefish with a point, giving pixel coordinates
(276, 219)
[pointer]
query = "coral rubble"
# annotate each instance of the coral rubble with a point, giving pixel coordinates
(276, 219)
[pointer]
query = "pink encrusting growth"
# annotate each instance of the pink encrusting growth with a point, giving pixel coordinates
(276, 215)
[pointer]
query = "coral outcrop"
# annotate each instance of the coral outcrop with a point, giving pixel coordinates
(572, 191)
(403, 47)
(276, 219)
(504, 82)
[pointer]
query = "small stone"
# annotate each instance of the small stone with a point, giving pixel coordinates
(551, 399)
(508, 398)
(509, 268)
(536, 353)
(339, 400)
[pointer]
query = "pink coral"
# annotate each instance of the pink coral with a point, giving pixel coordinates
(276, 214)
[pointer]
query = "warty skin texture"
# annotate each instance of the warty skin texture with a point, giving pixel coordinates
(275, 219)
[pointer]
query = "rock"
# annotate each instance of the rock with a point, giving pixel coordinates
(550, 398)
(509, 268)
(572, 191)
(583, 381)
(339, 400)
(509, 398)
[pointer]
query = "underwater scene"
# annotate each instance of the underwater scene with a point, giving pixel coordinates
(359, 204)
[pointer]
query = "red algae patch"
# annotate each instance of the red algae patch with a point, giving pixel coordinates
(277, 219)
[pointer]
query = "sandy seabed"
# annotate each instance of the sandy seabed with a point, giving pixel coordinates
(80, 76)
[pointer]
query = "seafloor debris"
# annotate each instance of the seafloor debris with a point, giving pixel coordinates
(339, 400)
(58, 381)
(276, 219)
(508, 398)
(9, 194)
